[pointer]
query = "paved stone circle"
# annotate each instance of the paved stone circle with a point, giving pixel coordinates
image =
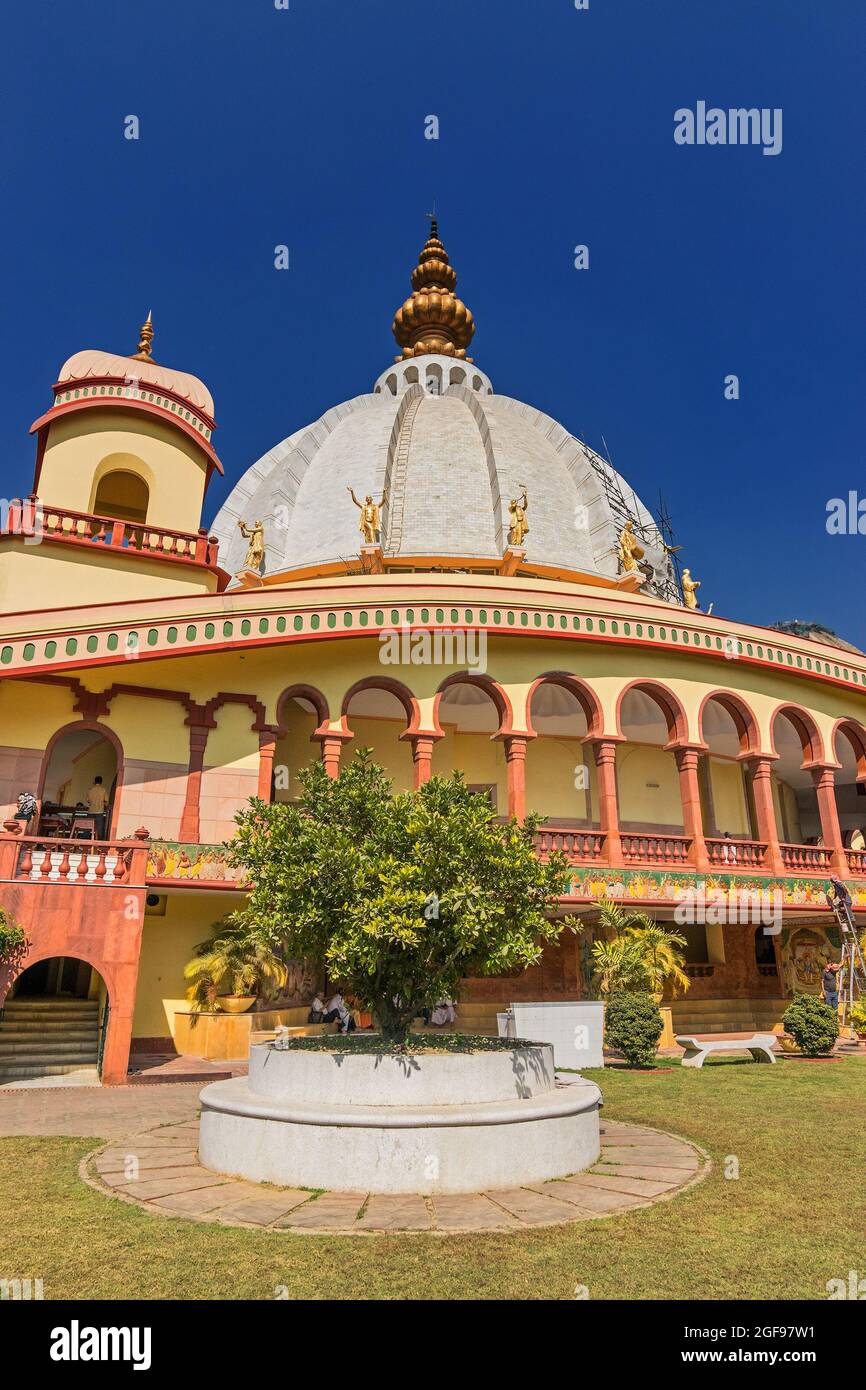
(158, 1170)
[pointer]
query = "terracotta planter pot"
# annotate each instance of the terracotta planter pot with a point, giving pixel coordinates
(235, 1003)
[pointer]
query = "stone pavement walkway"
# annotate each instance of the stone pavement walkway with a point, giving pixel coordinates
(158, 1170)
(107, 1112)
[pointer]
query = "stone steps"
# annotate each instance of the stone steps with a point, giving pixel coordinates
(49, 1037)
(727, 1015)
(16, 1072)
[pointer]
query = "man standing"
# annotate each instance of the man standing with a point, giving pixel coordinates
(830, 984)
(97, 803)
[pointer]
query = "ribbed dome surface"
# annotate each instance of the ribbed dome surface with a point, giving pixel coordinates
(450, 463)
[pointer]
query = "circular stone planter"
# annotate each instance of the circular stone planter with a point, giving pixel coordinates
(425, 1122)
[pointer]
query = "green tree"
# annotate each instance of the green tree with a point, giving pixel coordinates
(399, 897)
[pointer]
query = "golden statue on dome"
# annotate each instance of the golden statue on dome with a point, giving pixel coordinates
(629, 549)
(433, 319)
(519, 528)
(256, 549)
(370, 520)
(690, 588)
(145, 341)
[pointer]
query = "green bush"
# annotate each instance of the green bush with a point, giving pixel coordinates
(633, 1025)
(812, 1024)
(12, 940)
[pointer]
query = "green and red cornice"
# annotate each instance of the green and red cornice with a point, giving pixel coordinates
(100, 635)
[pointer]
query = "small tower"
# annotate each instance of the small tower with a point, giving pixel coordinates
(124, 458)
(127, 438)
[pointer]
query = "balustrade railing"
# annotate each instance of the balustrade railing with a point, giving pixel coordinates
(73, 861)
(856, 861)
(578, 846)
(736, 854)
(809, 859)
(640, 848)
(33, 518)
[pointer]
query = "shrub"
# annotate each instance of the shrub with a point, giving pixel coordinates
(633, 1025)
(12, 940)
(812, 1024)
(858, 1016)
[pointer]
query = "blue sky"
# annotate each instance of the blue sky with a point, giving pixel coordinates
(305, 127)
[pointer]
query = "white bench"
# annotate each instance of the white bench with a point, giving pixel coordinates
(696, 1049)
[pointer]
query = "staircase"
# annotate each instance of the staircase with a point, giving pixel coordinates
(49, 1037)
(704, 1016)
(472, 1017)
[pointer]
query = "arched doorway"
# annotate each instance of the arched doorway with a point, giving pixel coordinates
(560, 775)
(377, 716)
(53, 1024)
(849, 747)
(648, 783)
(798, 816)
(469, 719)
(121, 493)
(726, 800)
(78, 788)
(295, 748)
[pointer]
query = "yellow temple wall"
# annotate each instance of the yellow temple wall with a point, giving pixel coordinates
(82, 447)
(561, 779)
(648, 786)
(54, 574)
(168, 942)
(730, 806)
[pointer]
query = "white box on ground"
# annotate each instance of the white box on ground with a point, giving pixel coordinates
(575, 1029)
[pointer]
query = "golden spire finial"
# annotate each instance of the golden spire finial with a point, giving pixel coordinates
(433, 319)
(145, 341)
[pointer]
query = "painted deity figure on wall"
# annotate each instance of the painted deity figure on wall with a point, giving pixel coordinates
(804, 956)
(370, 520)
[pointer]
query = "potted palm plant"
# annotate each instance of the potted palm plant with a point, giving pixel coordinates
(229, 970)
(638, 954)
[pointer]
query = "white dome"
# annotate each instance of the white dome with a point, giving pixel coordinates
(450, 456)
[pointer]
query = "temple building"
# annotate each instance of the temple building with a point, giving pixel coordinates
(432, 570)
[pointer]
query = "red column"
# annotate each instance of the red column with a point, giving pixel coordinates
(604, 750)
(332, 741)
(515, 758)
(121, 979)
(422, 756)
(267, 749)
(760, 776)
(690, 794)
(189, 821)
(824, 777)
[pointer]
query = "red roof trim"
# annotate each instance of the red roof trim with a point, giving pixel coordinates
(130, 403)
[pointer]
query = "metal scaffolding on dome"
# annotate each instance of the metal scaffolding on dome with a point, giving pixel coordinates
(659, 536)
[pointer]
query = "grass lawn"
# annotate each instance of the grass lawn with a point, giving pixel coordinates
(794, 1218)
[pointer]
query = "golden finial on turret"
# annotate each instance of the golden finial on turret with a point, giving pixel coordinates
(145, 341)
